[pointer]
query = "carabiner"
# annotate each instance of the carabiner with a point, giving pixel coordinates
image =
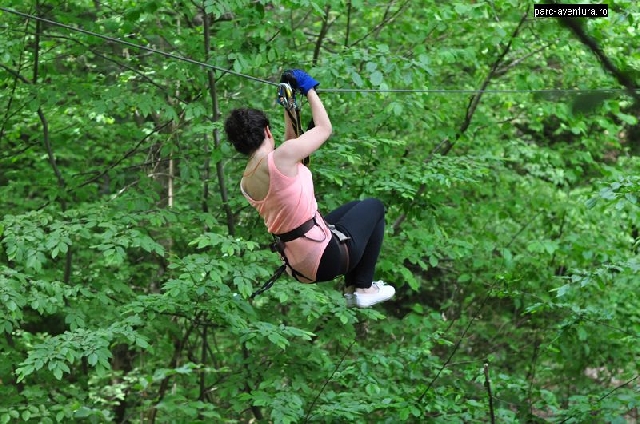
(286, 96)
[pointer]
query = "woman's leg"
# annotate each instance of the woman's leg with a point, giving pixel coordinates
(334, 216)
(363, 221)
(329, 267)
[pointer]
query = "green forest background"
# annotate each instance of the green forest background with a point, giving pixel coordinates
(127, 253)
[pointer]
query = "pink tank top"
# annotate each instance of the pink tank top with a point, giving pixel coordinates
(288, 204)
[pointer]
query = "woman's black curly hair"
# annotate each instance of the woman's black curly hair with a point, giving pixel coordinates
(245, 129)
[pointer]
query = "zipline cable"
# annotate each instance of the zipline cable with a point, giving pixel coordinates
(137, 46)
(472, 91)
(324, 90)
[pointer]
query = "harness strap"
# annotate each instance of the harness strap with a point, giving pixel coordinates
(266, 286)
(344, 249)
(297, 128)
(278, 246)
(298, 232)
(295, 120)
(344, 258)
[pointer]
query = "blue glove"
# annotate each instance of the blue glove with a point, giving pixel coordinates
(300, 80)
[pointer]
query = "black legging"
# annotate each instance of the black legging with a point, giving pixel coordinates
(363, 221)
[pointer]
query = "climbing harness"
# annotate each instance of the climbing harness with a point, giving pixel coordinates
(280, 239)
(278, 244)
(278, 247)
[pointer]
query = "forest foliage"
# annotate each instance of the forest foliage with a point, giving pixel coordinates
(504, 148)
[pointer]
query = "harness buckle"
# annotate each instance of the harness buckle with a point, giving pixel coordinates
(342, 237)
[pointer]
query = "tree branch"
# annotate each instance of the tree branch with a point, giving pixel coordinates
(41, 116)
(346, 37)
(46, 139)
(120, 65)
(445, 146)
(203, 360)
(454, 350)
(531, 374)
(385, 20)
(623, 78)
(522, 228)
(296, 25)
(164, 385)
(7, 112)
(12, 154)
(206, 177)
(47, 145)
(257, 413)
(323, 33)
(15, 74)
(335, 370)
(128, 154)
(504, 69)
(215, 116)
(474, 317)
(43, 120)
(14, 380)
(36, 47)
(487, 385)
(606, 395)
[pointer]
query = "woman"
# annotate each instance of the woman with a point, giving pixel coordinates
(280, 187)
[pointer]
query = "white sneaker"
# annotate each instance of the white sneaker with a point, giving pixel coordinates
(384, 293)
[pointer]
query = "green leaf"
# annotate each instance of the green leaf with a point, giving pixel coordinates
(627, 118)
(83, 412)
(57, 373)
(591, 203)
(184, 370)
(563, 290)
(376, 78)
(582, 333)
(142, 343)
(92, 359)
(371, 67)
(356, 79)
(278, 340)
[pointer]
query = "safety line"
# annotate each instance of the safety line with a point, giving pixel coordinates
(137, 46)
(323, 90)
(472, 91)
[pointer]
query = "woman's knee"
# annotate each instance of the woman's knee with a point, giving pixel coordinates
(375, 206)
